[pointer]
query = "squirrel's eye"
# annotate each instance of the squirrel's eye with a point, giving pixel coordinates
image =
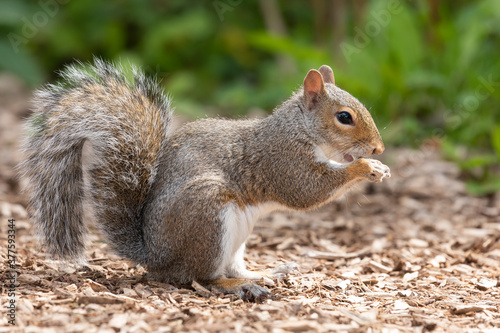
(345, 118)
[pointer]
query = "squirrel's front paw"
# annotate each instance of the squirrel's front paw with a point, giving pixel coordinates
(375, 170)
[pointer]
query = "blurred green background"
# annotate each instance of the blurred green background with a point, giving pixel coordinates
(425, 69)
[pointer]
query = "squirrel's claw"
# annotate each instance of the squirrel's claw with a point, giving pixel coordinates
(253, 292)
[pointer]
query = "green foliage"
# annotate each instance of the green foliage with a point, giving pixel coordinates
(495, 139)
(423, 68)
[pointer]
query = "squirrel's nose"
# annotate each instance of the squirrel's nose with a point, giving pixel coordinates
(379, 149)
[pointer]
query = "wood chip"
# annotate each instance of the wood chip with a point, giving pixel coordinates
(378, 267)
(401, 305)
(202, 291)
(142, 291)
(98, 300)
(470, 308)
(335, 256)
(410, 276)
(28, 278)
(485, 284)
(118, 321)
(97, 287)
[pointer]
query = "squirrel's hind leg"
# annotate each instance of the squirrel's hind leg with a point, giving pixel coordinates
(238, 280)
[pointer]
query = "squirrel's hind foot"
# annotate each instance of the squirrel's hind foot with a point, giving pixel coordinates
(246, 290)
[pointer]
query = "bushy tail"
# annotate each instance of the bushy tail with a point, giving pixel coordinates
(127, 124)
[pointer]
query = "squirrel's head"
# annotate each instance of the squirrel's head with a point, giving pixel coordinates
(344, 124)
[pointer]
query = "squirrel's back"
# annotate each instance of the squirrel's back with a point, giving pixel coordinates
(127, 123)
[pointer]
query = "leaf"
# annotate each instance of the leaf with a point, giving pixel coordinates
(495, 139)
(488, 186)
(404, 37)
(276, 44)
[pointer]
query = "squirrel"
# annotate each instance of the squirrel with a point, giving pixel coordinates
(182, 203)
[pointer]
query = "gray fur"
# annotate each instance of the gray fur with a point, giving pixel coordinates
(160, 200)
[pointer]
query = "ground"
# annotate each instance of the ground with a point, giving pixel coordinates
(413, 254)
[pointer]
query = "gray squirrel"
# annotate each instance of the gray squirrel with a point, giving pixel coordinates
(183, 203)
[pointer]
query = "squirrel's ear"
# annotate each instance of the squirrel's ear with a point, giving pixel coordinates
(314, 87)
(327, 74)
